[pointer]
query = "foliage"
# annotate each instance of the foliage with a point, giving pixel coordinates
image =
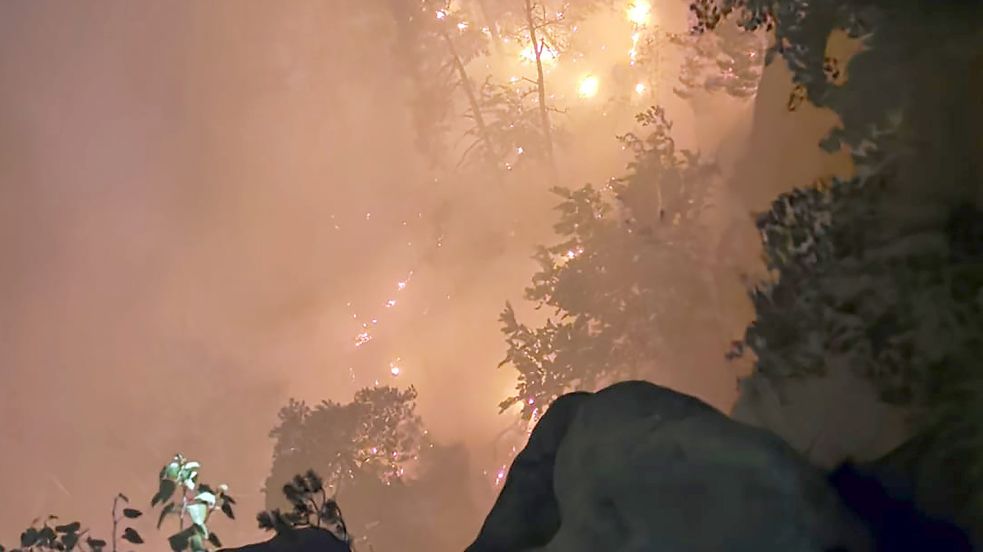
(400, 496)
(727, 60)
(42, 535)
(881, 273)
(183, 496)
(880, 287)
(511, 123)
(624, 284)
(310, 507)
(375, 436)
(433, 51)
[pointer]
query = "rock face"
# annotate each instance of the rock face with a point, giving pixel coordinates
(638, 467)
(301, 540)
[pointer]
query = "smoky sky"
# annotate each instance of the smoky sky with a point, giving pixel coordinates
(201, 203)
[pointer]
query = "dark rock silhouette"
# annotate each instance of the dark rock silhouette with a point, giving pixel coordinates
(897, 524)
(640, 467)
(308, 539)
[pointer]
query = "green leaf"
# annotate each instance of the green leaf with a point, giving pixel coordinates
(131, 513)
(192, 466)
(29, 538)
(179, 541)
(129, 534)
(227, 509)
(197, 543)
(169, 509)
(95, 544)
(171, 471)
(164, 492)
(198, 513)
(206, 498)
(70, 540)
(213, 538)
(47, 534)
(69, 528)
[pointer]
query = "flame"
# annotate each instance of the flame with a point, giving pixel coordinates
(640, 12)
(590, 85)
(547, 56)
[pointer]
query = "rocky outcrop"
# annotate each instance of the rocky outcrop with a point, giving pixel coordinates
(640, 467)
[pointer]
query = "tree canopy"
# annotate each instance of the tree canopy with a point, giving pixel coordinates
(624, 286)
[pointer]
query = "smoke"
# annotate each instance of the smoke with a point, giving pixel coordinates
(200, 206)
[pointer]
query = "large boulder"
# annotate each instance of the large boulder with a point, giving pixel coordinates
(308, 539)
(640, 467)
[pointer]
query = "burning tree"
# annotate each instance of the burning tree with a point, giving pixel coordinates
(376, 437)
(436, 43)
(625, 285)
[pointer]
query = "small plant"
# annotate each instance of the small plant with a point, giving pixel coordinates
(311, 507)
(129, 534)
(183, 496)
(46, 536)
(71, 536)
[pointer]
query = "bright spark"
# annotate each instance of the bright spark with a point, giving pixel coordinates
(441, 14)
(390, 303)
(362, 339)
(500, 476)
(394, 368)
(462, 26)
(589, 86)
(640, 88)
(640, 12)
(547, 56)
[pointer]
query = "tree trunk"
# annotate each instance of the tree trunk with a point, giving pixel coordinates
(544, 116)
(479, 120)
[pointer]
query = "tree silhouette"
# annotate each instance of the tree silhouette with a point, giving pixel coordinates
(625, 285)
(376, 436)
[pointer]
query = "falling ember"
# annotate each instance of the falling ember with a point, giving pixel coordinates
(532, 420)
(500, 476)
(362, 339)
(640, 12)
(390, 303)
(640, 88)
(394, 368)
(441, 14)
(589, 86)
(462, 26)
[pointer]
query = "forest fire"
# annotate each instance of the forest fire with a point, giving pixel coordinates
(373, 293)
